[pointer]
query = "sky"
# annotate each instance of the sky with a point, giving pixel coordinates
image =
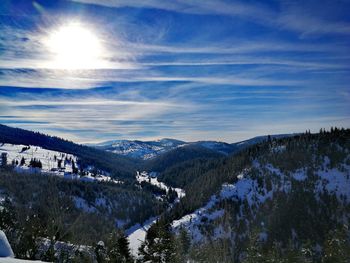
(227, 70)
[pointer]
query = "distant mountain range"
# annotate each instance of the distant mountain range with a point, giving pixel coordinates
(150, 149)
(139, 149)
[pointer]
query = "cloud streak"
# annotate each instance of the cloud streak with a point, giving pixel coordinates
(288, 18)
(192, 70)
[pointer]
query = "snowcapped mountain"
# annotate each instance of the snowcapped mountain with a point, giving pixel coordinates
(149, 149)
(139, 149)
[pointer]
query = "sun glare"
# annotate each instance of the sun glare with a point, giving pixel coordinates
(74, 46)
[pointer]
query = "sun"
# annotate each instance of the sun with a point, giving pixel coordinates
(74, 46)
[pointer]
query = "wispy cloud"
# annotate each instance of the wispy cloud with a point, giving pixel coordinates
(287, 17)
(189, 69)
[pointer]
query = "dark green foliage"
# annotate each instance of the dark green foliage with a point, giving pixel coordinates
(34, 163)
(337, 246)
(211, 174)
(152, 188)
(297, 223)
(42, 206)
(179, 155)
(118, 248)
(23, 161)
(187, 172)
(3, 159)
(159, 245)
(185, 241)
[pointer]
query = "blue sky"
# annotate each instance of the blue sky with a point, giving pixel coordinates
(188, 69)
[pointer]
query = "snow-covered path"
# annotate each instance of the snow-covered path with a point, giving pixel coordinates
(137, 234)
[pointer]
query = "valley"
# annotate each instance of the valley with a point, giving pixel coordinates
(204, 207)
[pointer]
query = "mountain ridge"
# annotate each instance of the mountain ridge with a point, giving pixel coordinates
(146, 150)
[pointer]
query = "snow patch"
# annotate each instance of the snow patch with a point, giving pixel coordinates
(82, 204)
(5, 248)
(144, 177)
(137, 234)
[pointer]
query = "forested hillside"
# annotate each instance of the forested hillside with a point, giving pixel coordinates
(37, 211)
(180, 155)
(283, 200)
(280, 200)
(118, 166)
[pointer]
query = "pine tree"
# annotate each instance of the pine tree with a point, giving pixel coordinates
(118, 250)
(159, 245)
(100, 252)
(185, 241)
(254, 250)
(3, 159)
(337, 246)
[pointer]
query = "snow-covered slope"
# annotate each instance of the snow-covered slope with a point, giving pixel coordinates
(137, 234)
(248, 190)
(52, 162)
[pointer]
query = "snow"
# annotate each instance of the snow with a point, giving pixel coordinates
(245, 188)
(278, 149)
(137, 234)
(63, 247)
(143, 176)
(6, 253)
(101, 202)
(49, 160)
(335, 181)
(15, 260)
(47, 157)
(5, 248)
(94, 207)
(82, 204)
(140, 149)
(119, 223)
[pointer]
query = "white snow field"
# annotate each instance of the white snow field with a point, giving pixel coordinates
(50, 163)
(48, 158)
